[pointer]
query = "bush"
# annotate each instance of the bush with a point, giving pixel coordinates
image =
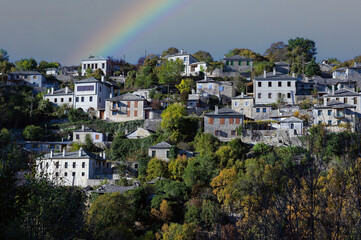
(32, 132)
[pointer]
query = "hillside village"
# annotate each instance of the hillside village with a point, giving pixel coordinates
(182, 144)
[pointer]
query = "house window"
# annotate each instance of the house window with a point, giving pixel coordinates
(84, 66)
(100, 99)
(85, 88)
(288, 84)
(56, 174)
(57, 164)
(135, 113)
(355, 100)
(269, 84)
(217, 132)
(257, 109)
(345, 100)
(83, 174)
(83, 164)
(92, 65)
(66, 165)
(337, 99)
(167, 154)
(77, 99)
(288, 95)
(61, 99)
(280, 84)
(55, 100)
(74, 164)
(210, 120)
(227, 62)
(246, 103)
(34, 77)
(319, 112)
(259, 84)
(103, 65)
(292, 126)
(259, 95)
(65, 174)
(73, 174)
(338, 122)
(100, 89)
(199, 86)
(135, 104)
(97, 136)
(70, 99)
(114, 113)
(236, 104)
(128, 104)
(119, 104)
(233, 132)
(240, 63)
(77, 136)
(230, 121)
(128, 113)
(269, 95)
(114, 105)
(319, 122)
(210, 86)
(153, 153)
(96, 66)
(232, 63)
(329, 112)
(90, 99)
(221, 121)
(82, 99)
(221, 88)
(264, 110)
(329, 123)
(247, 63)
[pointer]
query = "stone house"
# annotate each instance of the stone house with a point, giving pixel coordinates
(139, 133)
(126, 107)
(243, 104)
(345, 96)
(80, 135)
(30, 78)
(293, 125)
(95, 63)
(272, 86)
(73, 168)
(187, 59)
(261, 112)
(222, 123)
(224, 90)
(237, 64)
(160, 151)
(334, 114)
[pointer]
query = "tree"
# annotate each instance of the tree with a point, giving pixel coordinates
(77, 115)
(247, 53)
(223, 186)
(4, 55)
(176, 167)
(171, 118)
(185, 85)
(164, 213)
(205, 143)
(277, 52)
(32, 132)
(306, 46)
(26, 64)
(157, 168)
(176, 231)
(203, 56)
(170, 72)
(170, 51)
(312, 69)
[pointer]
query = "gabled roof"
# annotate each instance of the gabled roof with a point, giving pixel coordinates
(93, 80)
(237, 58)
(75, 155)
(60, 92)
(334, 104)
(126, 97)
(224, 112)
(94, 58)
(25, 73)
(342, 93)
(277, 76)
(291, 120)
(161, 145)
(110, 188)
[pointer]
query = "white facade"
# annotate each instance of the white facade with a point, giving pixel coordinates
(293, 125)
(80, 135)
(73, 168)
(269, 88)
(32, 78)
(196, 68)
(186, 58)
(95, 63)
(60, 97)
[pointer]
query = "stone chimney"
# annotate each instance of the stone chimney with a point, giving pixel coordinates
(182, 51)
(48, 90)
(66, 90)
(82, 127)
(52, 90)
(216, 109)
(64, 152)
(51, 153)
(274, 71)
(242, 95)
(80, 151)
(102, 78)
(104, 156)
(293, 75)
(355, 64)
(264, 73)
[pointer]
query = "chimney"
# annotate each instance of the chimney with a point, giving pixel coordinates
(293, 75)
(274, 71)
(333, 89)
(52, 90)
(48, 90)
(66, 90)
(111, 95)
(205, 77)
(242, 95)
(216, 109)
(355, 64)
(51, 153)
(80, 151)
(264, 73)
(193, 91)
(63, 152)
(104, 156)
(82, 127)
(102, 78)
(101, 154)
(126, 131)
(182, 51)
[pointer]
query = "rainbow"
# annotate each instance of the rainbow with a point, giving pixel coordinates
(123, 30)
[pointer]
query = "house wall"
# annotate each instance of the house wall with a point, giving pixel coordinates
(159, 153)
(60, 100)
(261, 112)
(92, 98)
(333, 117)
(226, 130)
(243, 106)
(274, 89)
(296, 129)
(215, 88)
(120, 112)
(237, 66)
(352, 100)
(81, 136)
(94, 65)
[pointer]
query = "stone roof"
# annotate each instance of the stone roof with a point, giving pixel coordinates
(335, 105)
(126, 97)
(224, 112)
(242, 96)
(73, 155)
(25, 73)
(60, 92)
(342, 93)
(84, 129)
(281, 64)
(291, 119)
(94, 58)
(161, 145)
(92, 80)
(110, 188)
(333, 81)
(277, 76)
(237, 58)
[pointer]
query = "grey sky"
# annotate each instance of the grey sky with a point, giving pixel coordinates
(53, 30)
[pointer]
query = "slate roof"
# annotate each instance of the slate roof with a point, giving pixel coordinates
(86, 129)
(333, 81)
(224, 112)
(25, 73)
(94, 58)
(73, 155)
(237, 58)
(110, 188)
(60, 92)
(126, 97)
(161, 145)
(244, 96)
(335, 105)
(291, 119)
(92, 80)
(278, 76)
(343, 93)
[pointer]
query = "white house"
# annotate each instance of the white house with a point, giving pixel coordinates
(79, 135)
(160, 151)
(60, 97)
(95, 63)
(272, 86)
(187, 59)
(52, 71)
(31, 78)
(73, 168)
(293, 125)
(345, 96)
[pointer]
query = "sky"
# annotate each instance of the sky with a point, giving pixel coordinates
(68, 31)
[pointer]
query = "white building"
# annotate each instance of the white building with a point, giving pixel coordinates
(272, 86)
(60, 97)
(187, 59)
(293, 125)
(160, 151)
(345, 96)
(31, 78)
(52, 71)
(95, 63)
(79, 135)
(73, 168)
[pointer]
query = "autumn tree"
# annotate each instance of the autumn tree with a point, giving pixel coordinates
(157, 168)
(177, 166)
(203, 56)
(277, 52)
(170, 51)
(247, 53)
(171, 120)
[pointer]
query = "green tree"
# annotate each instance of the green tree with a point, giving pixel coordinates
(157, 168)
(205, 143)
(247, 53)
(170, 72)
(203, 56)
(77, 115)
(4, 55)
(32, 132)
(171, 118)
(26, 64)
(185, 85)
(177, 166)
(306, 46)
(170, 51)
(277, 52)
(312, 69)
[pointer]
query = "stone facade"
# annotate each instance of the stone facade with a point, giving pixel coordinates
(223, 90)
(80, 135)
(293, 125)
(243, 104)
(160, 151)
(237, 64)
